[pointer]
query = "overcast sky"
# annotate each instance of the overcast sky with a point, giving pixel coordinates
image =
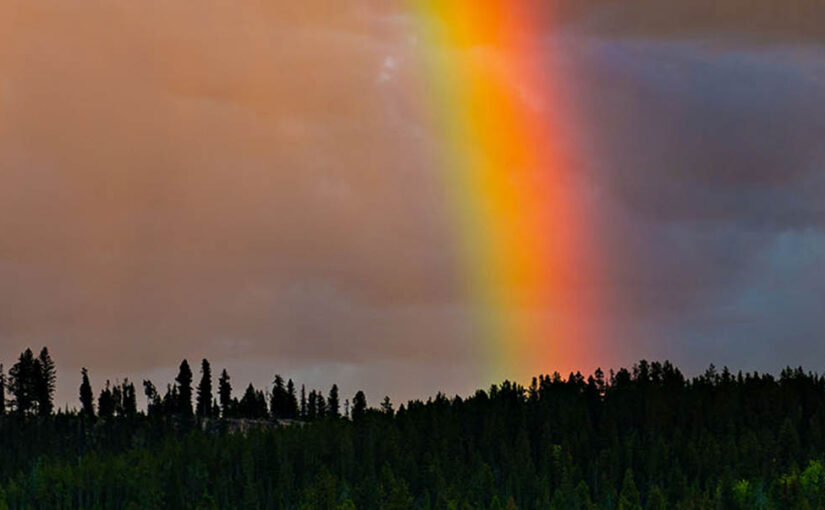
(253, 183)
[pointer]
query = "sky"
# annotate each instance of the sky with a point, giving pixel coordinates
(256, 183)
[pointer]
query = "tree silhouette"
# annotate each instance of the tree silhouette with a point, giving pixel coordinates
(204, 400)
(225, 394)
(2, 391)
(22, 382)
(359, 405)
(292, 401)
(386, 406)
(333, 403)
(106, 402)
(304, 409)
(86, 395)
(320, 405)
(153, 400)
(44, 382)
(184, 382)
(128, 399)
(279, 399)
(312, 406)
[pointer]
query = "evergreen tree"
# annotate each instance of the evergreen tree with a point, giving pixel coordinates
(333, 403)
(86, 395)
(320, 405)
(153, 401)
(225, 394)
(106, 402)
(117, 399)
(386, 406)
(129, 399)
(359, 405)
(44, 384)
(252, 404)
(303, 402)
(291, 400)
(312, 406)
(184, 382)
(629, 496)
(279, 398)
(2, 391)
(22, 377)
(204, 401)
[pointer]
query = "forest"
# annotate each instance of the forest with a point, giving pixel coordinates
(640, 438)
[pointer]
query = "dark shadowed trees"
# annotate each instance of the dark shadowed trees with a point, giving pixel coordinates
(204, 400)
(359, 405)
(304, 409)
(106, 402)
(87, 406)
(292, 401)
(252, 404)
(279, 399)
(225, 394)
(22, 383)
(128, 399)
(2, 391)
(184, 383)
(45, 378)
(333, 403)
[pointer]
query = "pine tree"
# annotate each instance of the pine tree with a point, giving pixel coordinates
(44, 384)
(333, 403)
(312, 407)
(292, 401)
(2, 391)
(359, 405)
(22, 378)
(184, 381)
(629, 496)
(153, 402)
(117, 399)
(86, 395)
(106, 402)
(320, 405)
(225, 394)
(129, 405)
(386, 406)
(204, 401)
(303, 402)
(279, 398)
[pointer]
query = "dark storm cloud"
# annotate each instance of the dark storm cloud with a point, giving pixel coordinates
(710, 159)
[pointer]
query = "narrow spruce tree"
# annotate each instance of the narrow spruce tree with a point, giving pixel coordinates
(225, 394)
(292, 400)
(303, 402)
(87, 406)
(106, 402)
(184, 381)
(333, 403)
(2, 391)
(45, 382)
(278, 399)
(204, 402)
(129, 396)
(359, 405)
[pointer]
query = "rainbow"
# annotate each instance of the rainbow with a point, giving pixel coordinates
(517, 208)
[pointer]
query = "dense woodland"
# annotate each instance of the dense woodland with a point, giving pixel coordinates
(640, 438)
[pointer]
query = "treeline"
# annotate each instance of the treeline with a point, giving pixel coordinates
(643, 438)
(31, 382)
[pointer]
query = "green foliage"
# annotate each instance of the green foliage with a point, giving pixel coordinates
(640, 438)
